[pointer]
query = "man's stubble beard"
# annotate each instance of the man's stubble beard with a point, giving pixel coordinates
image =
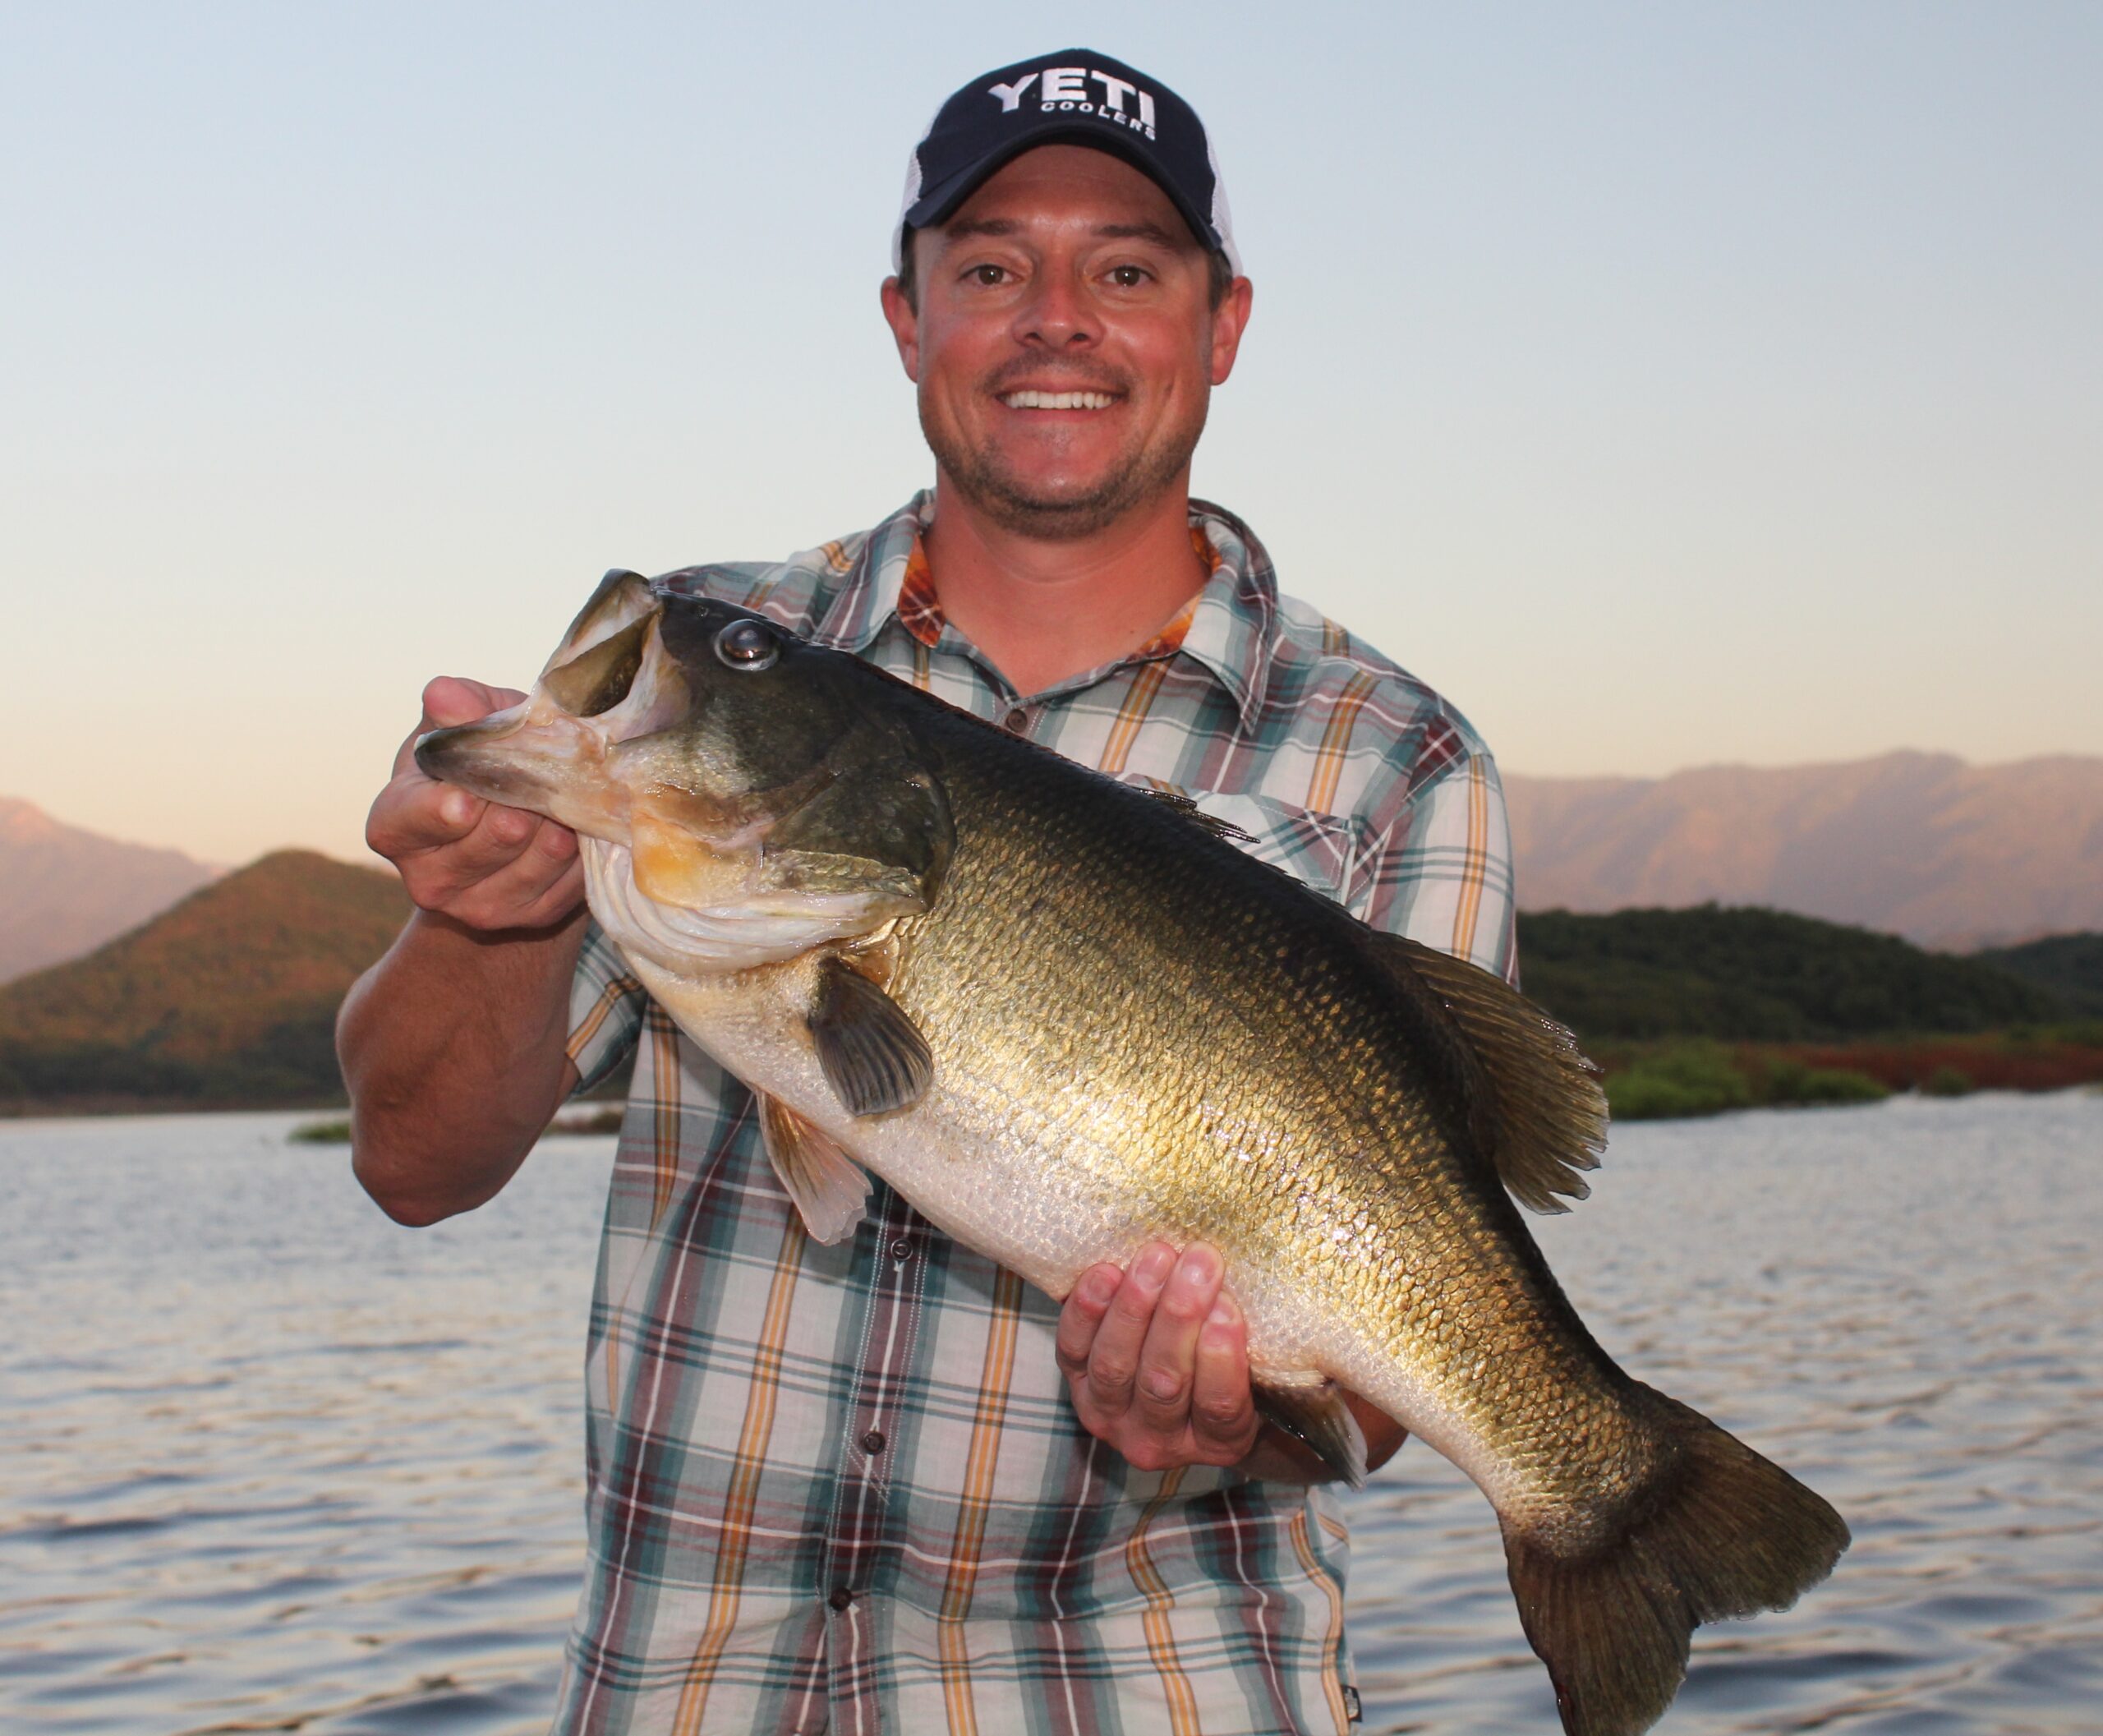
(981, 476)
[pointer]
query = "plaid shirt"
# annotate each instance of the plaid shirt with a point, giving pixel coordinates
(843, 1487)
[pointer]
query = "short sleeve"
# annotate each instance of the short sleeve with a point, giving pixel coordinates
(1441, 873)
(606, 1005)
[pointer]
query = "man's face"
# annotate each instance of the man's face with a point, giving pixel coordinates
(1065, 345)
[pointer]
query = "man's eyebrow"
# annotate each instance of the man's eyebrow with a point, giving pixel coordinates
(1152, 232)
(964, 226)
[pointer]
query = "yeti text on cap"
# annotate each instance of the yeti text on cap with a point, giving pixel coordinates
(1065, 89)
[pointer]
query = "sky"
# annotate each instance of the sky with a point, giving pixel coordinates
(1666, 384)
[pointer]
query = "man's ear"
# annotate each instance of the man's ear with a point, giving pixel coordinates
(1230, 320)
(904, 327)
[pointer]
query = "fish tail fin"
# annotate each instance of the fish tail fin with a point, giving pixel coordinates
(1721, 1532)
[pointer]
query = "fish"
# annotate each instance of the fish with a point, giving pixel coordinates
(1065, 1016)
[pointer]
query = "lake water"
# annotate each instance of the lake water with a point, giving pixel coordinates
(268, 1463)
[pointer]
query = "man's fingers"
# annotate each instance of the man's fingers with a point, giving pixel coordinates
(1113, 1361)
(1168, 1361)
(1082, 1313)
(1223, 1418)
(412, 813)
(533, 892)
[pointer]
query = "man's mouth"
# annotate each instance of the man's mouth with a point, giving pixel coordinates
(1034, 400)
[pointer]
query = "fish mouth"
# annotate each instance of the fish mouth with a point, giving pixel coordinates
(533, 756)
(608, 682)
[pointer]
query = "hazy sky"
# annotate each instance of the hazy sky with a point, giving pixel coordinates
(1667, 384)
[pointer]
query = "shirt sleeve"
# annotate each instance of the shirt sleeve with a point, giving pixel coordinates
(1441, 872)
(606, 1005)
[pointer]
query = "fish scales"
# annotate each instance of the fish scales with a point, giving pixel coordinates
(1350, 1137)
(1064, 1018)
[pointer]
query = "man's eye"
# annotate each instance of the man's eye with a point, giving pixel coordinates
(991, 276)
(1128, 277)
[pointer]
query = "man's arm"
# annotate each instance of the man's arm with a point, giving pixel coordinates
(452, 1044)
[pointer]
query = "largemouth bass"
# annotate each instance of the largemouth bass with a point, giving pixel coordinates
(1063, 1017)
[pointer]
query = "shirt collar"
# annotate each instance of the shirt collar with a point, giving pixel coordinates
(1228, 627)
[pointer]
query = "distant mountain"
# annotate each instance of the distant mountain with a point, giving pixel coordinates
(1760, 975)
(1948, 854)
(63, 891)
(229, 996)
(2069, 965)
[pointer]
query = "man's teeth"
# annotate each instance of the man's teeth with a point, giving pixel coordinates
(1057, 400)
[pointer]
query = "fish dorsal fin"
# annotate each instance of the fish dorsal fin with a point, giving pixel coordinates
(1226, 830)
(1540, 1111)
(873, 1055)
(830, 1188)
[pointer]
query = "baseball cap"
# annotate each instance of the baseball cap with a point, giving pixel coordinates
(1073, 97)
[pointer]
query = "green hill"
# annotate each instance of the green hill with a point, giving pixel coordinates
(2069, 965)
(1760, 975)
(228, 997)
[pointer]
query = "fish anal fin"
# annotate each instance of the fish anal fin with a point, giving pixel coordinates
(1540, 1111)
(1720, 1531)
(831, 1189)
(1312, 1408)
(873, 1054)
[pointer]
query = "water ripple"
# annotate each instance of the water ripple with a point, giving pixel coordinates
(269, 1463)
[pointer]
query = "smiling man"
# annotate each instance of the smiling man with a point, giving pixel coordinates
(883, 1485)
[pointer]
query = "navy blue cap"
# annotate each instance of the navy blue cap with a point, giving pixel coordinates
(1073, 97)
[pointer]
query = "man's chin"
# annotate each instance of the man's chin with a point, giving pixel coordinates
(1063, 511)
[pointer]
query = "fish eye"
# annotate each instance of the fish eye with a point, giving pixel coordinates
(748, 645)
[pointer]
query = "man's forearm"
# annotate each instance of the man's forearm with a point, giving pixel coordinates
(452, 1047)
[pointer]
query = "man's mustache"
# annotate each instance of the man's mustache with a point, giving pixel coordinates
(1057, 376)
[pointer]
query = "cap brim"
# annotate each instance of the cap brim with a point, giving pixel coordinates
(937, 204)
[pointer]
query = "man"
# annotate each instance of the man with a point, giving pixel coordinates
(883, 1485)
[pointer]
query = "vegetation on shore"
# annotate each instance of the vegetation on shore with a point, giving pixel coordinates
(1695, 1012)
(228, 1001)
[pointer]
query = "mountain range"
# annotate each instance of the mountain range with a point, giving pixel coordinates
(229, 996)
(64, 890)
(1950, 855)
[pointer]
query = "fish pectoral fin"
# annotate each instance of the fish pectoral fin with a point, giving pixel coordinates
(1310, 1407)
(831, 1189)
(873, 1056)
(1539, 1107)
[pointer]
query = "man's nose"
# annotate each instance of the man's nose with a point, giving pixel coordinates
(1059, 313)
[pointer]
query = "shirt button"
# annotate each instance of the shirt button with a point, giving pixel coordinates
(841, 1597)
(1017, 720)
(901, 1250)
(872, 1443)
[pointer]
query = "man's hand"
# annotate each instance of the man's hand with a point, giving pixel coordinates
(485, 866)
(1157, 1359)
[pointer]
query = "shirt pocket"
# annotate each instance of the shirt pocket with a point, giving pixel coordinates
(1321, 850)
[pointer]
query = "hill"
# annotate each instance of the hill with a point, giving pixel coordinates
(2069, 965)
(1946, 853)
(230, 997)
(1759, 975)
(64, 890)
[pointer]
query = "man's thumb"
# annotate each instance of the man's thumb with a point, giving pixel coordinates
(453, 699)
